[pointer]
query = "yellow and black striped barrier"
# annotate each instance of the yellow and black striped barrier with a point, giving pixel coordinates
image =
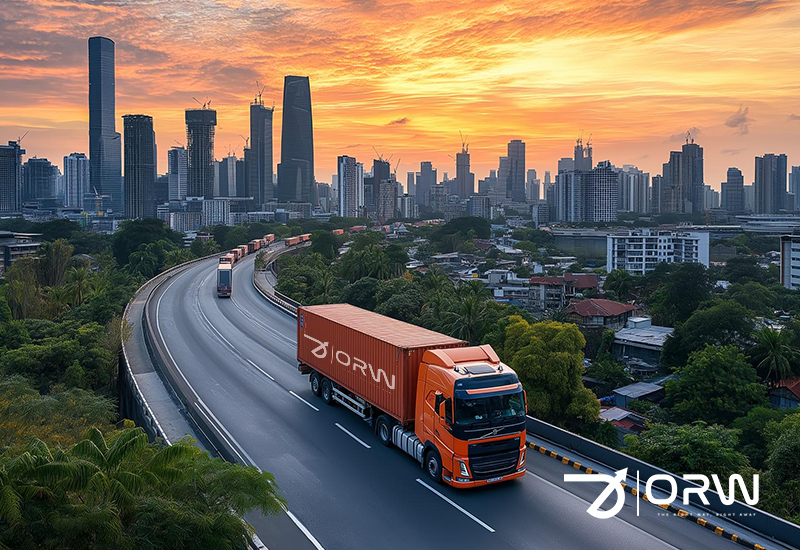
(641, 494)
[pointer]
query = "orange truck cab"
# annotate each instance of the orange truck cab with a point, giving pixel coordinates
(470, 408)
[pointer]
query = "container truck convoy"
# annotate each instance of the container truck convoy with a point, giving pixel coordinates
(455, 408)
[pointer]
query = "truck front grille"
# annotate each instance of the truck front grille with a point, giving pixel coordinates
(494, 465)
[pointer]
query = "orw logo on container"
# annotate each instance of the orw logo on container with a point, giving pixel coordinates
(345, 360)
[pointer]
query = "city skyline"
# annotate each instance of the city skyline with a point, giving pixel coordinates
(410, 90)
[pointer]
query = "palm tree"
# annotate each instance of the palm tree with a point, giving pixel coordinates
(54, 259)
(468, 319)
(78, 284)
(57, 300)
(774, 354)
(326, 283)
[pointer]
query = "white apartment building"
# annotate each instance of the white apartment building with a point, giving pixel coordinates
(639, 252)
(790, 261)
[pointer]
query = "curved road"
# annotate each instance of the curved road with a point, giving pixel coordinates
(234, 365)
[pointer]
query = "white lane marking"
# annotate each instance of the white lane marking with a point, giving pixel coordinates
(348, 432)
(233, 439)
(164, 342)
(218, 333)
(454, 505)
(259, 543)
(305, 531)
(642, 531)
(211, 422)
(304, 401)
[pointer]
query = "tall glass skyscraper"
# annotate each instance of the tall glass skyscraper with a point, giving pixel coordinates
(140, 166)
(296, 170)
(261, 167)
(105, 155)
(200, 125)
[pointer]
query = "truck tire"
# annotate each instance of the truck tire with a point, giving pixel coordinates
(433, 465)
(315, 383)
(327, 391)
(383, 427)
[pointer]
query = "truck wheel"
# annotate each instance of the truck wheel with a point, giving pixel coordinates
(433, 465)
(315, 385)
(384, 430)
(327, 391)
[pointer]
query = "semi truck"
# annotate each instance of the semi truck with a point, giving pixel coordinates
(457, 409)
(225, 276)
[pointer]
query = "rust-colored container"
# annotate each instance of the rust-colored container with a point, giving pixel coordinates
(373, 356)
(338, 231)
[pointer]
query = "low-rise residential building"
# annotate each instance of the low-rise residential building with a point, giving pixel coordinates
(645, 391)
(14, 246)
(640, 251)
(785, 394)
(640, 339)
(547, 293)
(596, 312)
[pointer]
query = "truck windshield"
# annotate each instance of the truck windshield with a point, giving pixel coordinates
(224, 277)
(487, 408)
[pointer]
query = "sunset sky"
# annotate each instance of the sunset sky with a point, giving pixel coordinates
(406, 76)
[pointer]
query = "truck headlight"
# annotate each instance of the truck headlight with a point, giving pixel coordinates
(463, 468)
(522, 459)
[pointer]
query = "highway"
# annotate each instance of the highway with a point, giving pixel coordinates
(233, 362)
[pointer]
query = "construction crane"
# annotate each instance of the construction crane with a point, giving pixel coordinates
(380, 157)
(589, 141)
(259, 90)
(246, 141)
(96, 199)
(396, 166)
(464, 144)
(205, 105)
(19, 139)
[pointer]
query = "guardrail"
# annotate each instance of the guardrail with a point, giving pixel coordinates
(284, 303)
(737, 512)
(748, 516)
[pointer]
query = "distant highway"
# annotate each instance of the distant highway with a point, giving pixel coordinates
(233, 361)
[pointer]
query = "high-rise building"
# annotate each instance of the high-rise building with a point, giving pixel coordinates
(226, 180)
(178, 172)
(516, 171)
(140, 166)
(296, 170)
(426, 179)
(438, 198)
(682, 184)
(749, 198)
(478, 206)
(351, 187)
(76, 180)
(465, 180)
(733, 192)
(569, 196)
(794, 187)
(38, 180)
(770, 184)
(261, 166)
(411, 186)
(407, 207)
(655, 194)
(533, 185)
(11, 178)
(105, 151)
(601, 195)
(386, 200)
(582, 157)
(200, 129)
(634, 190)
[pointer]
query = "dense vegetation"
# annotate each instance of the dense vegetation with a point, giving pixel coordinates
(71, 475)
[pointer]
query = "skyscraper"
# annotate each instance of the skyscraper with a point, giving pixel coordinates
(76, 179)
(465, 180)
(105, 152)
(794, 186)
(582, 156)
(350, 184)
(226, 180)
(733, 192)
(38, 180)
(515, 189)
(601, 195)
(426, 179)
(682, 183)
(11, 178)
(411, 187)
(261, 167)
(296, 170)
(634, 192)
(178, 172)
(200, 125)
(770, 184)
(140, 166)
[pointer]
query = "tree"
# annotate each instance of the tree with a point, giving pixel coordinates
(694, 449)
(611, 373)
(467, 318)
(620, 282)
(753, 433)
(177, 257)
(362, 293)
(324, 243)
(744, 269)
(548, 359)
(717, 386)
(54, 258)
(774, 355)
(78, 284)
(124, 492)
(132, 234)
(683, 290)
(724, 323)
(57, 300)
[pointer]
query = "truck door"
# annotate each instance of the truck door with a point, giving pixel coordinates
(436, 427)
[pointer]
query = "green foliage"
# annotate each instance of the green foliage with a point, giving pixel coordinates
(362, 293)
(724, 323)
(548, 359)
(694, 448)
(123, 492)
(448, 237)
(133, 234)
(620, 283)
(611, 373)
(50, 230)
(717, 386)
(308, 280)
(201, 248)
(325, 244)
(745, 269)
(753, 430)
(684, 289)
(757, 298)
(53, 262)
(774, 355)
